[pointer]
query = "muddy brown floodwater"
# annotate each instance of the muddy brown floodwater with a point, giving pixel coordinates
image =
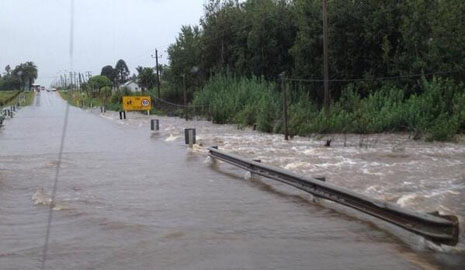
(131, 199)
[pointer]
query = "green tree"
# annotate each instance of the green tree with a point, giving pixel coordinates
(26, 73)
(7, 70)
(122, 72)
(271, 36)
(146, 77)
(368, 40)
(185, 55)
(96, 83)
(109, 72)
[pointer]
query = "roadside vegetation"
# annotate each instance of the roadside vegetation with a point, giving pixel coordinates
(10, 97)
(7, 96)
(29, 98)
(438, 113)
(103, 97)
(394, 66)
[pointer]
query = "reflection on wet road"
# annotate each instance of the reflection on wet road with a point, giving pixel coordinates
(128, 199)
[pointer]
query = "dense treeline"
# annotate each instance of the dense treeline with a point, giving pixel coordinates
(394, 65)
(367, 40)
(21, 77)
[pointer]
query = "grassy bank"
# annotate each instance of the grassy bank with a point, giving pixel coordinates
(29, 98)
(7, 96)
(436, 113)
(12, 97)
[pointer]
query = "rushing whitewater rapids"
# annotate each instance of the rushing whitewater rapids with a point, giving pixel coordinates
(132, 199)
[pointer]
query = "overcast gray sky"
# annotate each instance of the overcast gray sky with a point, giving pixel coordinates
(104, 31)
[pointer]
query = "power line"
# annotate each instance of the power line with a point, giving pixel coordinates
(158, 72)
(179, 105)
(378, 78)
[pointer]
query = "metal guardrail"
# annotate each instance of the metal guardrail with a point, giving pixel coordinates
(440, 229)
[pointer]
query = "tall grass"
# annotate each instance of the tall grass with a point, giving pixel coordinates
(437, 113)
(240, 100)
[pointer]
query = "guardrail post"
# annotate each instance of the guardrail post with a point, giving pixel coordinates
(154, 125)
(189, 134)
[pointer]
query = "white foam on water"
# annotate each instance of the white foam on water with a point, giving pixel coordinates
(107, 117)
(208, 160)
(40, 197)
(402, 201)
(297, 165)
(196, 149)
(367, 171)
(171, 138)
(374, 188)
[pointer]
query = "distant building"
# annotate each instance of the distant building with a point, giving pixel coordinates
(131, 85)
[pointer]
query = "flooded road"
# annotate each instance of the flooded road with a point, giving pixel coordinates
(130, 199)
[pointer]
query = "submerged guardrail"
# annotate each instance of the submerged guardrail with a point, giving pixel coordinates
(440, 229)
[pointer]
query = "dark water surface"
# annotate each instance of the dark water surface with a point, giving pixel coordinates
(129, 199)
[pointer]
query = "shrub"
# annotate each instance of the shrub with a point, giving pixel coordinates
(437, 112)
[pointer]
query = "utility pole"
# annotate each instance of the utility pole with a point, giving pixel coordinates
(71, 80)
(283, 88)
(185, 95)
(75, 81)
(80, 81)
(327, 97)
(158, 72)
(89, 74)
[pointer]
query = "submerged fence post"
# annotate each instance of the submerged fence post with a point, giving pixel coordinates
(283, 88)
(189, 134)
(122, 115)
(154, 124)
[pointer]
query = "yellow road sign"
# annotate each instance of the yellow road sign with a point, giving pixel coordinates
(137, 103)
